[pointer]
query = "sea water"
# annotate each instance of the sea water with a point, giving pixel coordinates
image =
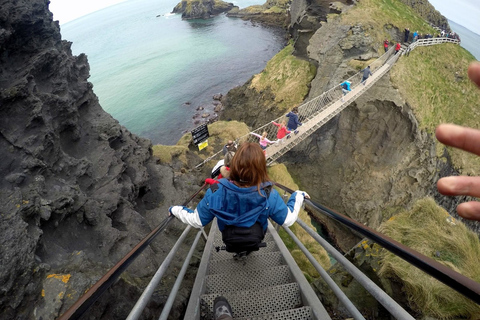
(469, 39)
(151, 70)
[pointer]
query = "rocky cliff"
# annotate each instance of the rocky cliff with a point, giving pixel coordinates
(77, 190)
(201, 9)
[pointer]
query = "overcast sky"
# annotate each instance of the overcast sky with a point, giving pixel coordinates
(463, 12)
(68, 10)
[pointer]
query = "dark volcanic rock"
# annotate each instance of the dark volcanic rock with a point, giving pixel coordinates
(78, 190)
(201, 9)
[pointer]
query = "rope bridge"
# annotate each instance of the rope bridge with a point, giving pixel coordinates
(315, 113)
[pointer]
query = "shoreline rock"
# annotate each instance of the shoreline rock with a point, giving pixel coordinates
(203, 9)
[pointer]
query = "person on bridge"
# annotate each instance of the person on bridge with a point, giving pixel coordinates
(467, 139)
(293, 121)
(345, 87)
(366, 74)
(397, 47)
(407, 34)
(385, 45)
(415, 36)
(245, 200)
(263, 142)
(282, 130)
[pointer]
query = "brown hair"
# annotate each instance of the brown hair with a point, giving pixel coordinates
(249, 167)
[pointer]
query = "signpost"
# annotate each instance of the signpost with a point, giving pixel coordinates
(200, 136)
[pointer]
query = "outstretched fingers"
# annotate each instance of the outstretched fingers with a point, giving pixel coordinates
(459, 185)
(459, 137)
(469, 210)
(474, 72)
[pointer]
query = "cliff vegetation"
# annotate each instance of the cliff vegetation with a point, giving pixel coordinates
(430, 230)
(201, 9)
(434, 82)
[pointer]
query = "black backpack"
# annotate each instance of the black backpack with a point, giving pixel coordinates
(243, 239)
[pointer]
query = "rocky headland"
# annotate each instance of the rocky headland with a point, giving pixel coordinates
(201, 9)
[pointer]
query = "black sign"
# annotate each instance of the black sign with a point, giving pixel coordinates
(200, 134)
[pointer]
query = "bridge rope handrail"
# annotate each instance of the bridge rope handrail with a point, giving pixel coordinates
(313, 107)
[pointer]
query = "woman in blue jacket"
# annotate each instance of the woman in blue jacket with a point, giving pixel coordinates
(242, 200)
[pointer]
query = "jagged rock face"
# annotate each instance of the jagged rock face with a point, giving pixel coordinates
(77, 190)
(201, 9)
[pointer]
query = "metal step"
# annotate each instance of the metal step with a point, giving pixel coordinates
(223, 255)
(255, 303)
(303, 313)
(253, 262)
(251, 280)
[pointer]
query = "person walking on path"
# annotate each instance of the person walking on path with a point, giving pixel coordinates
(407, 34)
(385, 45)
(282, 130)
(293, 121)
(345, 88)
(397, 47)
(263, 139)
(366, 74)
(415, 36)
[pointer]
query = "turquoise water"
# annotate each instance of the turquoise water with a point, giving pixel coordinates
(470, 40)
(146, 63)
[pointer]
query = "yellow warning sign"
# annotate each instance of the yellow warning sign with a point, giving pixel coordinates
(203, 145)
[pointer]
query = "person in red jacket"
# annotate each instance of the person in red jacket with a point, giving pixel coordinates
(282, 130)
(397, 47)
(385, 45)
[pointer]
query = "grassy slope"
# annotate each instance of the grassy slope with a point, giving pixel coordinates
(435, 84)
(425, 228)
(287, 76)
(379, 15)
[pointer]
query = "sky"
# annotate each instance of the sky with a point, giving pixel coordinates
(463, 12)
(68, 10)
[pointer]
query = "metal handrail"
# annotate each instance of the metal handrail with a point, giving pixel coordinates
(171, 298)
(142, 302)
(332, 284)
(385, 300)
(449, 277)
(92, 295)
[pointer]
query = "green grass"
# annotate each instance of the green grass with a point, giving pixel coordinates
(425, 229)
(287, 76)
(377, 16)
(435, 84)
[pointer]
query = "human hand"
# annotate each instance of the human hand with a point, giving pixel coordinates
(305, 195)
(469, 140)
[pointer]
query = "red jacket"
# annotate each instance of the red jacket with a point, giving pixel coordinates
(282, 130)
(398, 46)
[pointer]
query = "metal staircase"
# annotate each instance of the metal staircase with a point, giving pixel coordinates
(267, 285)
